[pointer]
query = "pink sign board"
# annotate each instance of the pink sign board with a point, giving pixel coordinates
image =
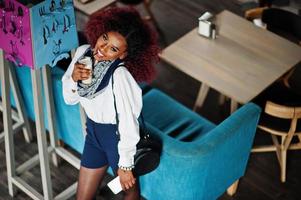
(15, 33)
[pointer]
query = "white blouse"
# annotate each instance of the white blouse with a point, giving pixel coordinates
(101, 108)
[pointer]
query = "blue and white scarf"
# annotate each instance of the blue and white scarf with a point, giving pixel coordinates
(102, 72)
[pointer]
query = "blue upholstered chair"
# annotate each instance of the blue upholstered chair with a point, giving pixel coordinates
(199, 160)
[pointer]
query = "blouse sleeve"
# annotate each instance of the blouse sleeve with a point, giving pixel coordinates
(128, 97)
(70, 94)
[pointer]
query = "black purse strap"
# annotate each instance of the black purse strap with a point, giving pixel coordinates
(143, 134)
(115, 107)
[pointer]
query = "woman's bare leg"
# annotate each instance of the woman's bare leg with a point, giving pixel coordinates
(88, 182)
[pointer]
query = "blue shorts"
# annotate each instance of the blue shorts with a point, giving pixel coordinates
(100, 146)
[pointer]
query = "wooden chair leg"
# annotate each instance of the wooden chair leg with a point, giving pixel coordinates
(204, 89)
(283, 165)
(232, 189)
(278, 148)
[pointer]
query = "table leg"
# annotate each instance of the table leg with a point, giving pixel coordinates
(232, 189)
(201, 96)
(234, 106)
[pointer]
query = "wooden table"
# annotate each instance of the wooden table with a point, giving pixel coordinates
(240, 63)
(93, 6)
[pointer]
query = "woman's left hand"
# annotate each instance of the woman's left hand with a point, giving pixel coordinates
(127, 179)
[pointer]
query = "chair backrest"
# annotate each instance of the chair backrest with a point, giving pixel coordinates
(285, 112)
(282, 20)
(282, 111)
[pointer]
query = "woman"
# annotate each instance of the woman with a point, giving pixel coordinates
(123, 48)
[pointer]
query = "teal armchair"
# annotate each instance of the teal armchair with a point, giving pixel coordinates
(199, 160)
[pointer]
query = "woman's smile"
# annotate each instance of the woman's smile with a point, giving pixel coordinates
(110, 46)
(99, 53)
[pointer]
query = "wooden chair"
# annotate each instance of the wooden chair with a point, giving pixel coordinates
(269, 123)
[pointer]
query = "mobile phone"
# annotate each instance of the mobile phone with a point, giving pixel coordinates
(115, 185)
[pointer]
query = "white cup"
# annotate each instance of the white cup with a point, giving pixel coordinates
(87, 61)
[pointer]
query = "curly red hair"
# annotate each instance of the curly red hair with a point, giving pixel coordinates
(142, 46)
